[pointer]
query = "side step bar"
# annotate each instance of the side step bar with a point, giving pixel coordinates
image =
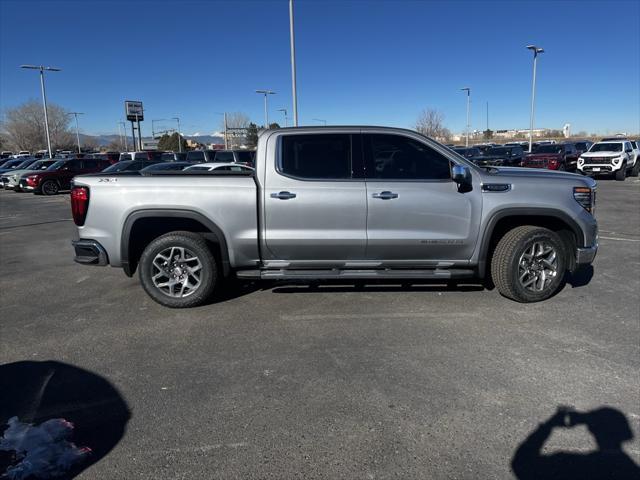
(353, 274)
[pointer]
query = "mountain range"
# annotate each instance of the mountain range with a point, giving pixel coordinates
(104, 140)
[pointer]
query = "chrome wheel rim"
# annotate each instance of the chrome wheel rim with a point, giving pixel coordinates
(176, 272)
(538, 266)
(49, 188)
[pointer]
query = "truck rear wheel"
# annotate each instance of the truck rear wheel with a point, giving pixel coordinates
(529, 264)
(178, 270)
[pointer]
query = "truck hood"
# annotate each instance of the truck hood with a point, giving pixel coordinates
(525, 173)
(601, 154)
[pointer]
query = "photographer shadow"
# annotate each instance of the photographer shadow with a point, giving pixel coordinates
(610, 430)
(37, 392)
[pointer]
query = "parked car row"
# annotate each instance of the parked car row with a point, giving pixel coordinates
(617, 156)
(50, 176)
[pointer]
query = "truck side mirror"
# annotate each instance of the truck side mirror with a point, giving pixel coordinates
(462, 176)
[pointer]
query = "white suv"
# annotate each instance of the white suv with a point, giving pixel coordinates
(616, 157)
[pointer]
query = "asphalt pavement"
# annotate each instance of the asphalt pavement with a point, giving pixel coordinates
(336, 381)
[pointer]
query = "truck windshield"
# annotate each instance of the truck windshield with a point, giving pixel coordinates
(606, 147)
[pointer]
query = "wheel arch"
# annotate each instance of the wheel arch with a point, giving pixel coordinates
(143, 226)
(503, 221)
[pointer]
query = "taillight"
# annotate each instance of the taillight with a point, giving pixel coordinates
(79, 204)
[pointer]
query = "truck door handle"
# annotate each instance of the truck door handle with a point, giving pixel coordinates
(283, 195)
(386, 195)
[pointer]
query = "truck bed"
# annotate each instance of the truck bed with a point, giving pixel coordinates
(227, 199)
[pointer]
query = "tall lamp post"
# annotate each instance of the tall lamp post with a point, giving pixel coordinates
(177, 119)
(292, 40)
(123, 138)
(536, 51)
(42, 69)
(75, 114)
(266, 93)
(468, 90)
(284, 110)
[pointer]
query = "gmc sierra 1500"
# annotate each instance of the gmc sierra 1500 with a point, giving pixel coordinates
(351, 203)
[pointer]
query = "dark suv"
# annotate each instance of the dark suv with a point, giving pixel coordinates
(501, 157)
(557, 156)
(583, 146)
(59, 175)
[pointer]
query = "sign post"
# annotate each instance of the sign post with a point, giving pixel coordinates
(135, 114)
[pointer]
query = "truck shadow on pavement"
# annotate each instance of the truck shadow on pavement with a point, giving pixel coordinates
(34, 397)
(610, 429)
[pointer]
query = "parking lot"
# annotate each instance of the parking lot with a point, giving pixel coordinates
(329, 381)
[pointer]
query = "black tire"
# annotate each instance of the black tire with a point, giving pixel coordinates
(621, 174)
(199, 248)
(506, 258)
(50, 187)
(635, 171)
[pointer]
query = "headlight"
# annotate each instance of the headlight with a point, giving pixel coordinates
(581, 160)
(585, 197)
(616, 159)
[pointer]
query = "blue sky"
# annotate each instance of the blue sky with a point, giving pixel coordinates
(359, 62)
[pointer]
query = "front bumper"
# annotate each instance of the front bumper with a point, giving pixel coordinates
(586, 255)
(90, 252)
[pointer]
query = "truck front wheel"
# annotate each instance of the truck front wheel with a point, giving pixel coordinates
(622, 173)
(178, 270)
(529, 264)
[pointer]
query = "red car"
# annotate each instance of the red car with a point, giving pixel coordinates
(555, 156)
(59, 175)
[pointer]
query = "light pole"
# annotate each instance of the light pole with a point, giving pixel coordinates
(75, 114)
(536, 51)
(266, 109)
(320, 120)
(44, 97)
(292, 40)
(177, 119)
(153, 131)
(468, 90)
(284, 110)
(123, 138)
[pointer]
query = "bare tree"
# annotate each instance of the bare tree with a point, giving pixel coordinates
(430, 122)
(24, 127)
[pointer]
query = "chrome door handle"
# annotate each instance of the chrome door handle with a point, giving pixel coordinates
(386, 195)
(283, 195)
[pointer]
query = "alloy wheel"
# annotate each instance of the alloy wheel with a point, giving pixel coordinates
(176, 272)
(538, 266)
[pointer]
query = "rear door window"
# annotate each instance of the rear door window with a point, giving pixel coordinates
(396, 157)
(320, 156)
(224, 157)
(196, 156)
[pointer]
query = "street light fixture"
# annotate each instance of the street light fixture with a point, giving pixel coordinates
(75, 114)
(266, 109)
(177, 119)
(468, 90)
(42, 69)
(284, 110)
(320, 120)
(536, 50)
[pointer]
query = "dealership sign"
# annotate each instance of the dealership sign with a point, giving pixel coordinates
(134, 111)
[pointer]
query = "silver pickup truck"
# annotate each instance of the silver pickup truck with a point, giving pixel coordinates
(339, 203)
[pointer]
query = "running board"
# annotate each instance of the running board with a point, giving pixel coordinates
(353, 274)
